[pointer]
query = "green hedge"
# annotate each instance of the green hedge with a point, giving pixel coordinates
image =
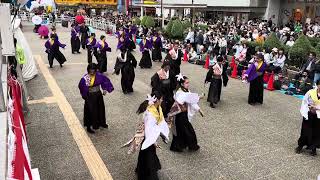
(272, 41)
(186, 24)
(299, 52)
(314, 41)
(177, 29)
(143, 20)
(136, 21)
(149, 22)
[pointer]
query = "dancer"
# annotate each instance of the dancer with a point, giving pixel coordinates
(145, 46)
(176, 56)
(310, 110)
(84, 30)
(184, 108)
(75, 41)
(254, 75)
(91, 49)
(126, 62)
(121, 39)
(215, 77)
(163, 82)
(54, 32)
(130, 32)
(156, 48)
(147, 134)
(94, 109)
(52, 49)
(102, 48)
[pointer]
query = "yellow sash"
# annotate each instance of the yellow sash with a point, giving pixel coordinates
(51, 41)
(92, 79)
(102, 44)
(144, 42)
(157, 113)
(90, 40)
(314, 96)
(259, 65)
(154, 39)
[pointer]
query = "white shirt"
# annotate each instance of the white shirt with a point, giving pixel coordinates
(152, 130)
(191, 99)
(290, 43)
(279, 61)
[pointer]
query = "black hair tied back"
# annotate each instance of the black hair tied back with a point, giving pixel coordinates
(143, 106)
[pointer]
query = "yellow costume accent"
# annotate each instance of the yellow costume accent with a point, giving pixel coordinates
(144, 42)
(92, 79)
(259, 65)
(157, 113)
(314, 97)
(102, 44)
(51, 41)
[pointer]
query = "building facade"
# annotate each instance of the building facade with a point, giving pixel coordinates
(280, 11)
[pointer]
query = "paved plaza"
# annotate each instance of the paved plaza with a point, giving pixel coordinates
(238, 141)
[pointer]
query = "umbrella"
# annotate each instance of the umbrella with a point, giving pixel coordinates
(79, 19)
(43, 30)
(36, 20)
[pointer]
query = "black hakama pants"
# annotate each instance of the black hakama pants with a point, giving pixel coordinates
(156, 54)
(214, 91)
(102, 62)
(256, 91)
(185, 135)
(75, 44)
(94, 111)
(310, 132)
(56, 55)
(84, 37)
(91, 51)
(127, 78)
(148, 164)
(145, 61)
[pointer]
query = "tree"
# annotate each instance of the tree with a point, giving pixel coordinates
(186, 24)
(177, 29)
(169, 27)
(300, 50)
(273, 42)
(136, 21)
(149, 22)
(143, 20)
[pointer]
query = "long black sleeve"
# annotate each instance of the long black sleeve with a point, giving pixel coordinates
(209, 75)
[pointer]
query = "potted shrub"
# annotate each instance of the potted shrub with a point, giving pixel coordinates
(149, 22)
(299, 52)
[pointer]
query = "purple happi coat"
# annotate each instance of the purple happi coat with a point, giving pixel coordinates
(91, 44)
(143, 46)
(104, 49)
(74, 33)
(54, 47)
(157, 42)
(251, 73)
(100, 80)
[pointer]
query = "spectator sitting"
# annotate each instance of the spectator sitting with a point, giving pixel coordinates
(309, 66)
(192, 56)
(242, 63)
(290, 42)
(278, 62)
(202, 57)
(303, 84)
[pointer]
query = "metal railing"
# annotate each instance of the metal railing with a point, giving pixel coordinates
(100, 24)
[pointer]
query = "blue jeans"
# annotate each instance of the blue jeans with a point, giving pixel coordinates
(316, 77)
